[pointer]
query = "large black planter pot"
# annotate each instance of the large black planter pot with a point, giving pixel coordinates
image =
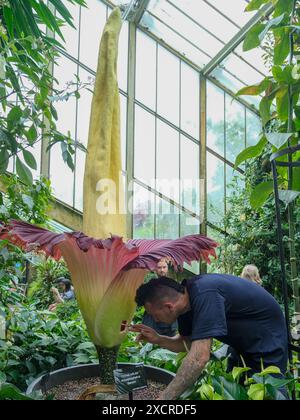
(58, 377)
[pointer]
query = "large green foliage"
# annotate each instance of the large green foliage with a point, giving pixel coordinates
(27, 94)
(46, 272)
(27, 203)
(251, 232)
(19, 202)
(279, 108)
(38, 342)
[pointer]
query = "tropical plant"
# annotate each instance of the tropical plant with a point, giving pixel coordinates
(12, 270)
(27, 93)
(46, 272)
(250, 236)
(10, 392)
(38, 342)
(216, 383)
(29, 203)
(279, 109)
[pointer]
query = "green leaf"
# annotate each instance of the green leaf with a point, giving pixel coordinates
(265, 109)
(283, 74)
(288, 196)
(10, 392)
(229, 390)
(32, 134)
(283, 6)
(30, 159)
(14, 115)
(23, 172)
(2, 67)
(252, 38)
(255, 90)
(282, 45)
(50, 19)
(278, 139)
(260, 194)
(271, 370)
(237, 372)
(4, 160)
(63, 11)
(256, 392)
(296, 179)
(70, 162)
(206, 392)
(282, 102)
(275, 382)
(255, 5)
(273, 22)
(53, 112)
(9, 19)
(251, 152)
(2, 378)
(217, 397)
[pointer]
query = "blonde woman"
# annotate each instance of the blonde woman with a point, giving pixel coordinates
(250, 272)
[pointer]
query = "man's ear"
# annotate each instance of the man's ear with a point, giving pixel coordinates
(170, 306)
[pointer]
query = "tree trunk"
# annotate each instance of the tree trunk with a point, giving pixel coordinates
(107, 364)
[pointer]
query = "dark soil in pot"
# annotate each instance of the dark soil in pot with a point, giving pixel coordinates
(71, 390)
(83, 381)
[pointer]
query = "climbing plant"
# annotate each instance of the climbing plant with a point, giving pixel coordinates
(279, 108)
(27, 91)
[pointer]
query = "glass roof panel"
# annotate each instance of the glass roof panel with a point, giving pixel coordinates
(254, 58)
(199, 30)
(246, 73)
(203, 25)
(208, 18)
(233, 10)
(176, 41)
(233, 83)
(185, 26)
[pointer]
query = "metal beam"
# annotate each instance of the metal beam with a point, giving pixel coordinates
(130, 128)
(134, 10)
(237, 39)
(141, 8)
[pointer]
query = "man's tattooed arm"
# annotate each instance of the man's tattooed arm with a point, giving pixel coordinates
(190, 370)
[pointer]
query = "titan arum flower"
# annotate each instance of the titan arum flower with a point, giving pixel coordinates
(105, 275)
(106, 272)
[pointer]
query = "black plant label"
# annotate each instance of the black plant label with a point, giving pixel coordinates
(130, 378)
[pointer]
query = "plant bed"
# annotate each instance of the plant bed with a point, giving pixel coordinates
(70, 383)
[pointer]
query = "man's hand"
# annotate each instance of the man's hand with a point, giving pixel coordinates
(145, 333)
(189, 370)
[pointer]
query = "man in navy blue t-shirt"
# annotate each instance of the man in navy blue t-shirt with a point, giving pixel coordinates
(230, 309)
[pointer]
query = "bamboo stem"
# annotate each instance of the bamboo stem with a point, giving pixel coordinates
(291, 206)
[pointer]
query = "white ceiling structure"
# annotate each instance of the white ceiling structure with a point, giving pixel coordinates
(207, 33)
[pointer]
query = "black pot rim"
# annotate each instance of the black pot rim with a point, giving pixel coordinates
(58, 377)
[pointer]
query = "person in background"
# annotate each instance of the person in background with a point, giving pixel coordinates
(65, 294)
(250, 272)
(169, 330)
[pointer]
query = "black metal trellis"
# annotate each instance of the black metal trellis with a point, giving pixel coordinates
(288, 152)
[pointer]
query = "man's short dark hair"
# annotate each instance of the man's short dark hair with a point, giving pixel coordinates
(158, 289)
